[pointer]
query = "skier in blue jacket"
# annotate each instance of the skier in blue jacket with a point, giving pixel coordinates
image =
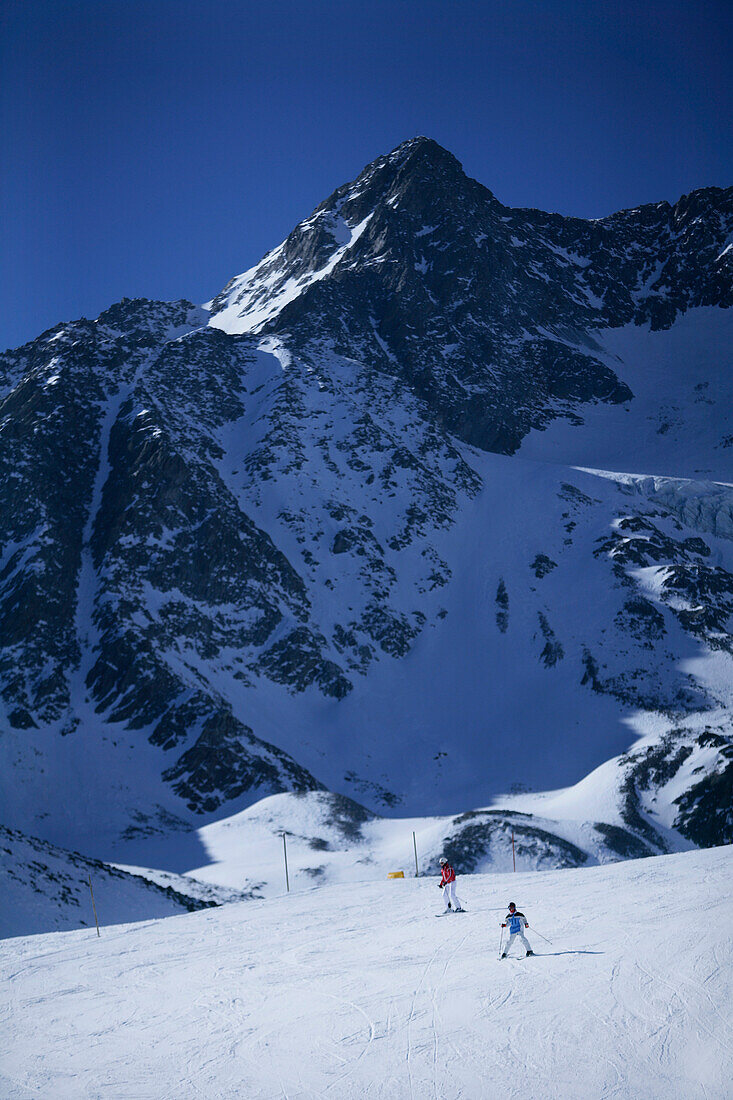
(517, 922)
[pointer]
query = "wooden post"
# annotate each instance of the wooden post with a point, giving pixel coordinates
(414, 844)
(93, 905)
(285, 854)
(514, 859)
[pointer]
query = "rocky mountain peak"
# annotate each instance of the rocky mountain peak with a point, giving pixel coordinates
(423, 162)
(419, 165)
(395, 200)
(415, 190)
(469, 301)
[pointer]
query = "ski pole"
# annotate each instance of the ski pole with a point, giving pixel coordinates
(543, 937)
(501, 939)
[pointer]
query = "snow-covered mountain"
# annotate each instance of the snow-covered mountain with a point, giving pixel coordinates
(432, 505)
(362, 993)
(48, 889)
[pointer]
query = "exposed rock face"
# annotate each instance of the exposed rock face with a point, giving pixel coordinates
(215, 530)
(133, 569)
(700, 764)
(485, 312)
(478, 836)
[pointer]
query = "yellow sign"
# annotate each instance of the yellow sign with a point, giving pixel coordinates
(395, 874)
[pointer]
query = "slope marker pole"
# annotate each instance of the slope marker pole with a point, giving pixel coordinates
(89, 876)
(285, 854)
(514, 858)
(414, 844)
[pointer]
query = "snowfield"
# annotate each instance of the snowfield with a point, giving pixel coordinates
(358, 991)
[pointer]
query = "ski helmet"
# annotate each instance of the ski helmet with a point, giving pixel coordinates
(442, 860)
(512, 905)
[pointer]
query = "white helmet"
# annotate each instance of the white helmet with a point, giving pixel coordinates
(442, 860)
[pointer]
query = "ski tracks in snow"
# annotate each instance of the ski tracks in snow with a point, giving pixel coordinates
(684, 1006)
(295, 957)
(436, 1018)
(322, 994)
(370, 1040)
(647, 1022)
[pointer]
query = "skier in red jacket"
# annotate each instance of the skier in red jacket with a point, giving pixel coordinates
(448, 886)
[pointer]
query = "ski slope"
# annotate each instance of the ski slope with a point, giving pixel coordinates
(361, 992)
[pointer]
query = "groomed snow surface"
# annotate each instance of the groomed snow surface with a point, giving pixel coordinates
(359, 991)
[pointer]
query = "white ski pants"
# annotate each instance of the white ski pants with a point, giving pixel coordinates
(449, 895)
(513, 937)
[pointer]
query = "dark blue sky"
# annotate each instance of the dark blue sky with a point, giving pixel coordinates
(156, 148)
